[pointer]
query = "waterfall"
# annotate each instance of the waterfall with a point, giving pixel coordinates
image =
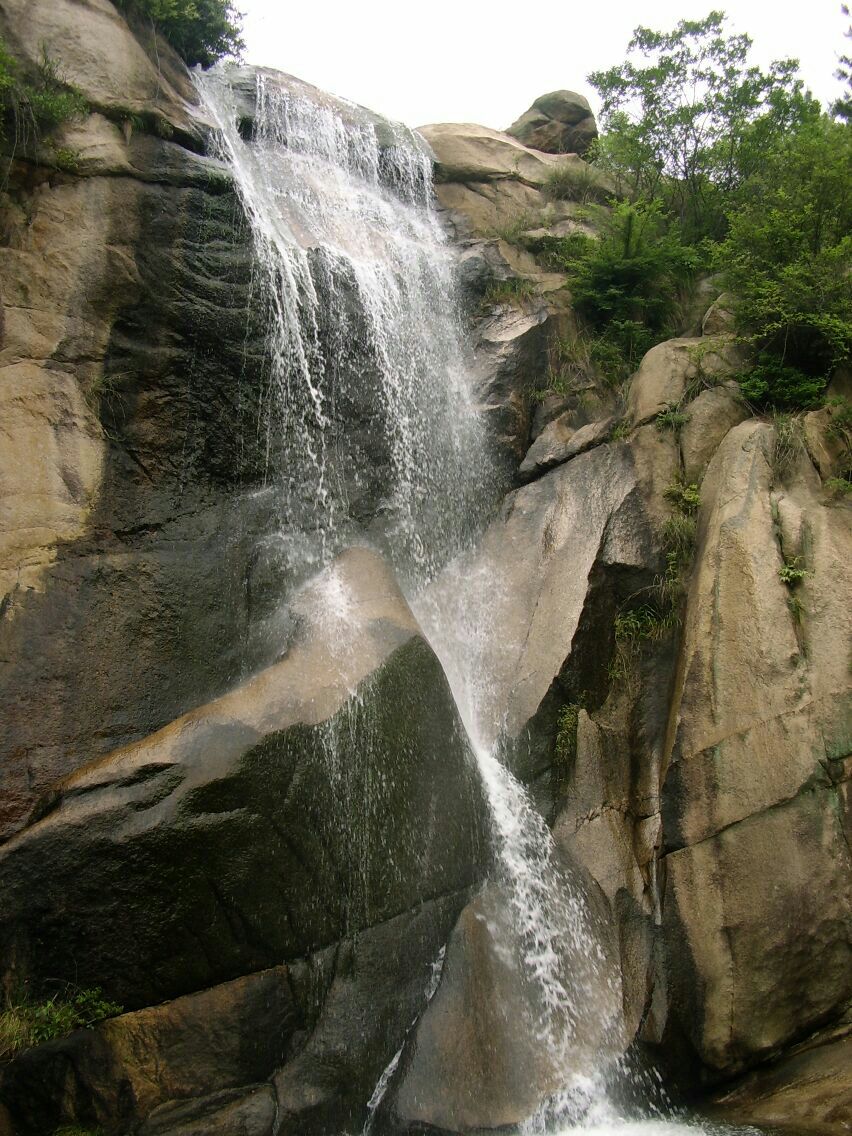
(371, 433)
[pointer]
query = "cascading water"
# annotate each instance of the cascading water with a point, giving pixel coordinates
(372, 433)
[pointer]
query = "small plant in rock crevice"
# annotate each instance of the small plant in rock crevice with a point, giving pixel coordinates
(838, 488)
(672, 418)
(25, 1022)
(33, 102)
(515, 290)
(792, 571)
(684, 496)
(788, 445)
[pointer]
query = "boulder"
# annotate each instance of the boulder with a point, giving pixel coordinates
(661, 381)
(517, 600)
(756, 936)
(559, 123)
(261, 826)
(559, 442)
(719, 318)
(202, 1044)
(490, 1039)
(467, 153)
(810, 1090)
(709, 418)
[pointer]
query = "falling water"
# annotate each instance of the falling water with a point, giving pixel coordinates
(371, 433)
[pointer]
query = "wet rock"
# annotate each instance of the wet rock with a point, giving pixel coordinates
(809, 1093)
(280, 817)
(485, 1038)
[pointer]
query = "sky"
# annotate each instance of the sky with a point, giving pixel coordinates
(485, 61)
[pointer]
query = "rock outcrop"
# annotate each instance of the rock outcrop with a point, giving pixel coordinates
(282, 818)
(558, 123)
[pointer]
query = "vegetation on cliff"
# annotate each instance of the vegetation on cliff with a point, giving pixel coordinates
(200, 31)
(722, 166)
(31, 105)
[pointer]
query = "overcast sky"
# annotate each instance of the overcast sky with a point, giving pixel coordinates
(485, 61)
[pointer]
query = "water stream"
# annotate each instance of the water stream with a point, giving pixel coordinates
(371, 433)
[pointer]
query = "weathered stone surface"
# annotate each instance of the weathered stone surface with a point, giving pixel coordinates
(560, 122)
(735, 754)
(130, 519)
(808, 1094)
(827, 443)
(98, 53)
(709, 418)
(284, 815)
(756, 922)
(468, 153)
(719, 317)
(121, 1071)
(756, 919)
(511, 356)
(663, 374)
(559, 442)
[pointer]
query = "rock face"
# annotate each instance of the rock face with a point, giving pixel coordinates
(758, 766)
(558, 123)
(288, 815)
(257, 826)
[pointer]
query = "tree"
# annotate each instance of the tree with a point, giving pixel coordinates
(788, 259)
(691, 122)
(200, 31)
(842, 107)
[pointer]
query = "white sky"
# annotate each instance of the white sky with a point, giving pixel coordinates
(486, 60)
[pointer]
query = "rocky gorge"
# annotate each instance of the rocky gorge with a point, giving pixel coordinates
(249, 789)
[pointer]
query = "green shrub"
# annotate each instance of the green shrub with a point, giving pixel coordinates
(34, 104)
(684, 496)
(771, 383)
(792, 572)
(200, 31)
(838, 487)
(512, 291)
(25, 1023)
(671, 419)
(575, 181)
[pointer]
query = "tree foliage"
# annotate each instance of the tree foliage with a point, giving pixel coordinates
(200, 31)
(686, 115)
(742, 169)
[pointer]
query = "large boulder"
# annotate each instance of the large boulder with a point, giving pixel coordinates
(270, 822)
(756, 821)
(560, 122)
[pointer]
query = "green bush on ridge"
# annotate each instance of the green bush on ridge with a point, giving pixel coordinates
(200, 31)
